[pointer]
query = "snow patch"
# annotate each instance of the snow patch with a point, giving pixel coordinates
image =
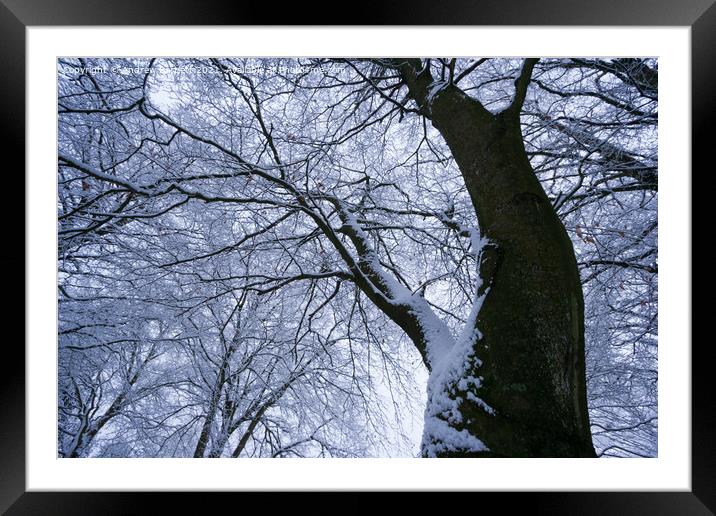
(451, 359)
(434, 89)
(451, 378)
(447, 438)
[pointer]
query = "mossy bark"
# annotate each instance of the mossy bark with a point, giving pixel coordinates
(532, 320)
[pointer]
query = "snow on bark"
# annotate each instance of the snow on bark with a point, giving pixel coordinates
(451, 360)
(438, 337)
(452, 377)
(435, 88)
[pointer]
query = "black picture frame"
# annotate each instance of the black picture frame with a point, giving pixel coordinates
(17, 15)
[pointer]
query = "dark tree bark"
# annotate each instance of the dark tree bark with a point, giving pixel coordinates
(532, 319)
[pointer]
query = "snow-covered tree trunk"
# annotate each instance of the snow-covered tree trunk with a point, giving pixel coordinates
(514, 384)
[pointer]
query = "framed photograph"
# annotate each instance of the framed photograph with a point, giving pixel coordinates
(439, 249)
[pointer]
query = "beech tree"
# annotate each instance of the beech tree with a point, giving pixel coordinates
(263, 257)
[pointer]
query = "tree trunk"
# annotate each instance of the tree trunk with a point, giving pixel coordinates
(530, 342)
